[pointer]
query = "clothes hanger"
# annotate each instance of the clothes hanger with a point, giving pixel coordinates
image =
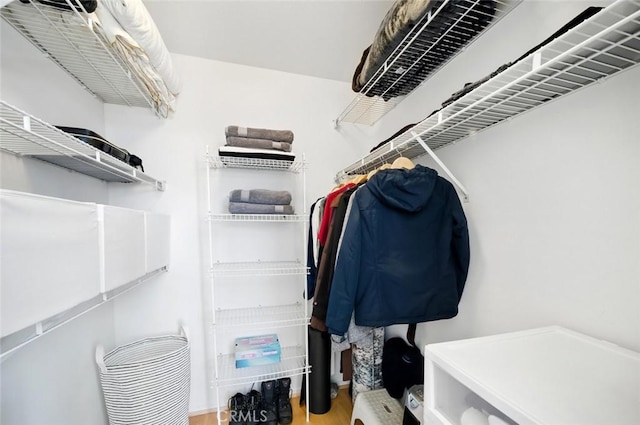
(359, 178)
(402, 162)
(375, 170)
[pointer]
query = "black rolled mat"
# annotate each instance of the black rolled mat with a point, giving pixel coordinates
(320, 375)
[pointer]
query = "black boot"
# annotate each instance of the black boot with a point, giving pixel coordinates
(269, 411)
(253, 403)
(237, 410)
(285, 413)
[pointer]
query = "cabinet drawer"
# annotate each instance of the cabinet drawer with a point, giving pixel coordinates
(124, 246)
(50, 258)
(158, 237)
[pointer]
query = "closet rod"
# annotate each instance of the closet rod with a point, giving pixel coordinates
(432, 154)
(23, 337)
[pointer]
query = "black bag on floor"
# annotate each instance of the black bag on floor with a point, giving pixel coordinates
(402, 366)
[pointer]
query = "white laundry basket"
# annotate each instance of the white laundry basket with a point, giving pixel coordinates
(147, 382)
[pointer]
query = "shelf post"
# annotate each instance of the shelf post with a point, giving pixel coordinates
(455, 181)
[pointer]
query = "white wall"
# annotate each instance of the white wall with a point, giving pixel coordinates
(554, 211)
(554, 218)
(216, 95)
(52, 380)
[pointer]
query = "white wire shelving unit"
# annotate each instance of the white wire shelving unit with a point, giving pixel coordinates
(293, 363)
(294, 360)
(258, 268)
(263, 316)
(67, 38)
(436, 39)
(23, 134)
(600, 47)
(259, 217)
(256, 163)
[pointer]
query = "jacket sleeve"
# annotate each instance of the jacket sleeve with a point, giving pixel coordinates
(345, 279)
(460, 242)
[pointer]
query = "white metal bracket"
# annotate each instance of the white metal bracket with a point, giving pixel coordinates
(536, 61)
(454, 180)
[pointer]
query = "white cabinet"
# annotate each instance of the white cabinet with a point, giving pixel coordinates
(546, 376)
(60, 258)
(50, 257)
(124, 245)
(157, 241)
(258, 271)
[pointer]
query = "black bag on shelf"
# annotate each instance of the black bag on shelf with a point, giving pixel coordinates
(89, 5)
(136, 162)
(100, 143)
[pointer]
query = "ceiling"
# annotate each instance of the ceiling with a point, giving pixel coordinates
(320, 38)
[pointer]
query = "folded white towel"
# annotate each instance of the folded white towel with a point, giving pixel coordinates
(136, 20)
(494, 420)
(473, 416)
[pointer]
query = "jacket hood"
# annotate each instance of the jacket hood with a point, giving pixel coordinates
(402, 189)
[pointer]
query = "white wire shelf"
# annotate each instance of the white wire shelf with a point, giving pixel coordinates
(256, 163)
(600, 47)
(271, 317)
(258, 217)
(424, 50)
(25, 135)
(68, 39)
(258, 268)
(292, 363)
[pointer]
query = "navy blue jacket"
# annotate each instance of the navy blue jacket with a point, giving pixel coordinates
(404, 254)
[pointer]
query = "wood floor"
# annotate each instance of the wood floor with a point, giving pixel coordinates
(340, 413)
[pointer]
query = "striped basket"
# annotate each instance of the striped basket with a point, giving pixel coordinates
(147, 382)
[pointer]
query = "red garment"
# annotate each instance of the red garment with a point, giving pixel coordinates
(323, 231)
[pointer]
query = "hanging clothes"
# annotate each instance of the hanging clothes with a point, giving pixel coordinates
(323, 232)
(404, 253)
(312, 246)
(327, 262)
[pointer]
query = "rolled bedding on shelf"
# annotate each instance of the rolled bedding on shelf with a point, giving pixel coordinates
(247, 208)
(135, 56)
(268, 154)
(134, 18)
(456, 97)
(261, 196)
(260, 133)
(455, 24)
(249, 142)
(400, 18)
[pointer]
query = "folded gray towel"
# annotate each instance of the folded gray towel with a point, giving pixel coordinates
(260, 133)
(246, 208)
(248, 142)
(261, 196)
